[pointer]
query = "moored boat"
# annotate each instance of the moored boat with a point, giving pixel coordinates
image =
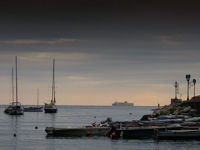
(36, 108)
(77, 131)
(178, 135)
(143, 131)
(16, 108)
(33, 109)
(51, 107)
(7, 110)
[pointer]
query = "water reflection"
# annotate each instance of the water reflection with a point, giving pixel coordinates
(14, 129)
(52, 118)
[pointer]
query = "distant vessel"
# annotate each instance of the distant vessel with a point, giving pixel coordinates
(15, 108)
(125, 103)
(35, 109)
(51, 107)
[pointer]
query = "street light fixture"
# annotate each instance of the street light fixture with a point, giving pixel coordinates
(188, 81)
(194, 82)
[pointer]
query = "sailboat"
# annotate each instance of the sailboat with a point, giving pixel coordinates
(51, 107)
(8, 109)
(35, 109)
(16, 107)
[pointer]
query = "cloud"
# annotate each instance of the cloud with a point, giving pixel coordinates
(90, 80)
(173, 40)
(74, 57)
(77, 78)
(31, 41)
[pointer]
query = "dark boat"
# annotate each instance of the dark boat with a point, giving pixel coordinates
(35, 109)
(142, 132)
(16, 109)
(7, 110)
(51, 107)
(178, 135)
(77, 131)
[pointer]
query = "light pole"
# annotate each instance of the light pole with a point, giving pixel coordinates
(194, 82)
(188, 81)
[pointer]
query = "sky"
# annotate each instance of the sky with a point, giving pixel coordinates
(105, 51)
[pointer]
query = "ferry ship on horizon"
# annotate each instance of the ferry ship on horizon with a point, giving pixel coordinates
(125, 103)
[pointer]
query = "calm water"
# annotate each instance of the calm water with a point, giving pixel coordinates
(29, 138)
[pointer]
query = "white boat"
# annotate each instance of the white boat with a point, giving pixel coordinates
(51, 107)
(16, 108)
(125, 103)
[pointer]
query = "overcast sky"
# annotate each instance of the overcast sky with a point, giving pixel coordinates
(105, 51)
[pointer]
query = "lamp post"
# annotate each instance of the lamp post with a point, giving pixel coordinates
(194, 82)
(188, 81)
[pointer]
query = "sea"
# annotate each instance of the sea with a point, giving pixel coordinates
(29, 138)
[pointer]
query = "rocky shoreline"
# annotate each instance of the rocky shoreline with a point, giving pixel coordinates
(176, 109)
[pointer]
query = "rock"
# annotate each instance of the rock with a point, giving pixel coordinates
(193, 110)
(186, 109)
(176, 112)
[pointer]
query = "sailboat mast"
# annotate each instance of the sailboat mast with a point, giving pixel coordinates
(54, 94)
(16, 80)
(37, 97)
(12, 86)
(52, 86)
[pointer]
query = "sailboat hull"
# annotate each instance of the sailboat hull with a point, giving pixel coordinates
(17, 111)
(50, 110)
(33, 109)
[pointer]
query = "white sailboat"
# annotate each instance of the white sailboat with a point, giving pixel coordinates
(51, 107)
(16, 107)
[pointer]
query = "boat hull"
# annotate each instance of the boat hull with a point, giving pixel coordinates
(15, 109)
(178, 135)
(77, 131)
(33, 109)
(50, 110)
(16, 112)
(141, 132)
